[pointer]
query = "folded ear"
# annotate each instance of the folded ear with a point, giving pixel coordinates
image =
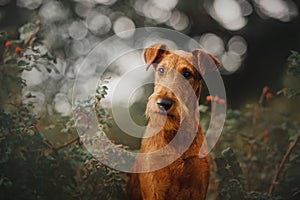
(205, 62)
(153, 53)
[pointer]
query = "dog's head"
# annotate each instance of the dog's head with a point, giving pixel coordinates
(178, 79)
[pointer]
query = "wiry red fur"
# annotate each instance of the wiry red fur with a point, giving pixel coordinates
(188, 176)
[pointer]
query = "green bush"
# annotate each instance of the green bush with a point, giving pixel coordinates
(258, 154)
(31, 166)
(257, 157)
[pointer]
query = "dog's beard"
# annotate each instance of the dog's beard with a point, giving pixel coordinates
(162, 120)
(181, 120)
(182, 109)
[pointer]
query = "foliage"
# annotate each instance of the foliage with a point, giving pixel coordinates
(294, 70)
(266, 141)
(31, 166)
(262, 163)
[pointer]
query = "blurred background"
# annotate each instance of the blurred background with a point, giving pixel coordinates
(251, 38)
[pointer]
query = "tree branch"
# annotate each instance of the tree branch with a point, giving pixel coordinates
(77, 139)
(47, 143)
(283, 161)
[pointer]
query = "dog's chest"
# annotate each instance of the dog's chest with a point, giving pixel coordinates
(164, 180)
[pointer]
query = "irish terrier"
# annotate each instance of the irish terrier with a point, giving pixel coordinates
(173, 115)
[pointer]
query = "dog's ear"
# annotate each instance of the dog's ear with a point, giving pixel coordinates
(153, 53)
(205, 62)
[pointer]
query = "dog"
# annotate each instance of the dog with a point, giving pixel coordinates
(174, 126)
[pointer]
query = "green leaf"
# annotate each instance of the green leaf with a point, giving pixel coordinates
(294, 56)
(11, 61)
(22, 63)
(294, 64)
(105, 87)
(292, 93)
(294, 70)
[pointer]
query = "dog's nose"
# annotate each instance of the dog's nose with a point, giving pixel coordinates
(164, 104)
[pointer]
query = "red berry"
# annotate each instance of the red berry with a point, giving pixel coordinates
(208, 98)
(216, 99)
(265, 136)
(269, 96)
(266, 89)
(18, 49)
(8, 44)
(221, 101)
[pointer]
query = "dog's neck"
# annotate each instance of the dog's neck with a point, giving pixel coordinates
(184, 134)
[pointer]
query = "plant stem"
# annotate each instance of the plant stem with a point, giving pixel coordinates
(283, 161)
(68, 143)
(257, 108)
(47, 143)
(256, 112)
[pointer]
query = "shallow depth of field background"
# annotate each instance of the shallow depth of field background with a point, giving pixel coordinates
(253, 40)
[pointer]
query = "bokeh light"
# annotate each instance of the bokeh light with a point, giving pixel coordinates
(150, 10)
(278, 9)
(29, 4)
(228, 14)
(159, 11)
(81, 47)
(231, 62)
(231, 57)
(179, 21)
(106, 2)
(165, 4)
(237, 45)
(246, 7)
(34, 77)
(156, 38)
(62, 104)
(98, 23)
(82, 9)
(124, 24)
(212, 43)
(77, 30)
(53, 11)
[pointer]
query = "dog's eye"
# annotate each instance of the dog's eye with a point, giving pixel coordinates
(161, 71)
(187, 74)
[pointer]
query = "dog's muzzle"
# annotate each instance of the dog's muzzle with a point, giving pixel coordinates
(164, 104)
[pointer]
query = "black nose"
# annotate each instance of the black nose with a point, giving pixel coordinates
(164, 104)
